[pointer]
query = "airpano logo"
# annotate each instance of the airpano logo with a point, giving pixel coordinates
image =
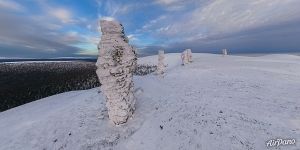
(280, 142)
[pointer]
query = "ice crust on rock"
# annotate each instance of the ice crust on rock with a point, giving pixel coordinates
(224, 52)
(186, 56)
(189, 55)
(161, 64)
(115, 66)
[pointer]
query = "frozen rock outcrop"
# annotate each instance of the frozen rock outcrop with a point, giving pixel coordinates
(161, 65)
(115, 66)
(189, 55)
(184, 57)
(224, 52)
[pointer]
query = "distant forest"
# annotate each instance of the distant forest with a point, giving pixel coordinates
(22, 83)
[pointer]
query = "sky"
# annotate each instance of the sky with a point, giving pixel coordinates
(69, 28)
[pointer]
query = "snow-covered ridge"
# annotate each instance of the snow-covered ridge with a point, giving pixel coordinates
(216, 102)
(13, 58)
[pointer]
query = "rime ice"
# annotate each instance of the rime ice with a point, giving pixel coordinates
(161, 65)
(224, 52)
(186, 57)
(189, 55)
(115, 65)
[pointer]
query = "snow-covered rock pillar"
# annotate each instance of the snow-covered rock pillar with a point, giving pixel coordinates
(189, 55)
(115, 66)
(184, 57)
(161, 64)
(224, 51)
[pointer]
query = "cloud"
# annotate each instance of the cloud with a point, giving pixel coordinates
(51, 28)
(239, 25)
(224, 17)
(221, 18)
(114, 8)
(172, 4)
(71, 37)
(152, 23)
(107, 18)
(133, 38)
(11, 5)
(169, 2)
(60, 13)
(25, 34)
(178, 5)
(279, 38)
(64, 15)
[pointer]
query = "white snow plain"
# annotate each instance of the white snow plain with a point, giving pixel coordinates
(214, 103)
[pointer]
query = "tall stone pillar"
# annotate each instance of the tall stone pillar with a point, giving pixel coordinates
(184, 57)
(161, 64)
(224, 52)
(115, 66)
(189, 55)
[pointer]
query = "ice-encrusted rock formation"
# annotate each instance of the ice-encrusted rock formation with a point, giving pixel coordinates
(184, 57)
(115, 66)
(224, 52)
(161, 64)
(189, 55)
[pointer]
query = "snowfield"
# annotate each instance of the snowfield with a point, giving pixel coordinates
(214, 103)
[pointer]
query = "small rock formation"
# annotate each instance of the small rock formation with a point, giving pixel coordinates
(189, 54)
(224, 52)
(184, 57)
(161, 66)
(115, 66)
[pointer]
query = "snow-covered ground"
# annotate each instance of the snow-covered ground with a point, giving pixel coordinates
(218, 103)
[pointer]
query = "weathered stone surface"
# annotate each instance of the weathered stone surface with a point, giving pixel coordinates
(115, 66)
(184, 57)
(189, 55)
(224, 52)
(161, 65)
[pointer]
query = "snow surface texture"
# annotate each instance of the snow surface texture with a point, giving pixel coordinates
(214, 103)
(115, 66)
(161, 65)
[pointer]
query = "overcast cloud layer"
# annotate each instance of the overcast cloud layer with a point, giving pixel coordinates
(65, 28)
